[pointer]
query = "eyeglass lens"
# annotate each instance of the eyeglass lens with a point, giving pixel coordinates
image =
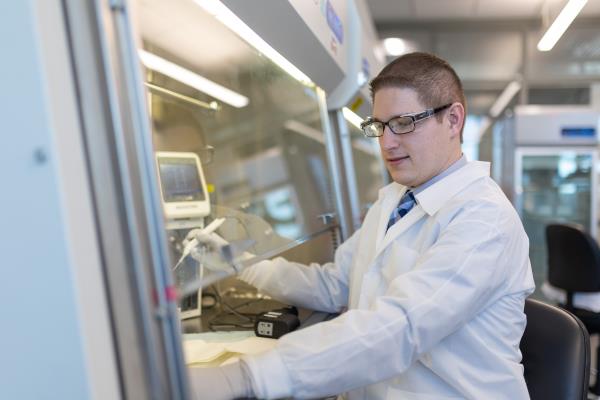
(397, 125)
(401, 125)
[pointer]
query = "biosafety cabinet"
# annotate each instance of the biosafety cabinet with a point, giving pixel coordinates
(149, 119)
(555, 172)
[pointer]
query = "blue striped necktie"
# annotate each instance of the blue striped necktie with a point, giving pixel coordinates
(404, 206)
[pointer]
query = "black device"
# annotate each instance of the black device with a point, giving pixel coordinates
(276, 323)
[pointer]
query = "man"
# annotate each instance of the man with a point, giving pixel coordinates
(434, 281)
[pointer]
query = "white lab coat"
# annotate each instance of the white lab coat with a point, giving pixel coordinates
(435, 305)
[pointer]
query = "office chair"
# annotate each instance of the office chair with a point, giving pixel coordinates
(574, 266)
(556, 353)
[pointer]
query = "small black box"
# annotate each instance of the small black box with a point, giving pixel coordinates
(276, 323)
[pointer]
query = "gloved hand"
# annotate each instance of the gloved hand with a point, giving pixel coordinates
(212, 238)
(207, 250)
(221, 383)
(214, 252)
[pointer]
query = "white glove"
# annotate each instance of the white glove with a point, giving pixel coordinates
(212, 239)
(206, 249)
(229, 382)
(209, 249)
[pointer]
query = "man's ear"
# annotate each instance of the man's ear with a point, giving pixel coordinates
(455, 117)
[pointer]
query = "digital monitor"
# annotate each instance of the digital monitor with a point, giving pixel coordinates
(182, 185)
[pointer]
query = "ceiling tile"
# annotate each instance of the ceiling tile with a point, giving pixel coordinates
(484, 56)
(385, 10)
(437, 9)
(576, 55)
(388, 10)
(491, 9)
(591, 9)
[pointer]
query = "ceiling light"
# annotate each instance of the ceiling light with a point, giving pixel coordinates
(505, 97)
(230, 20)
(394, 46)
(560, 24)
(352, 117)
(192, 79)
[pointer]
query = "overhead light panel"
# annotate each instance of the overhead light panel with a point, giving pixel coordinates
(230, 20)
(560, 24)
(192, 79)
(394, 46)
(505, 97)
(352, 117)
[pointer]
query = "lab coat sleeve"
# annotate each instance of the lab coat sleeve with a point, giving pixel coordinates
(317, 287)
(471, 265)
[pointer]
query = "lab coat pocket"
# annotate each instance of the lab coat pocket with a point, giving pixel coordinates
(397, 260)
(397, 394)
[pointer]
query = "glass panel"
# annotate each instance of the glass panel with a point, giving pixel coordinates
(256, 130)
(556, 188)
(368, 166)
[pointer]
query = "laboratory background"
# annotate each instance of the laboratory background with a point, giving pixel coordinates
(127, 124)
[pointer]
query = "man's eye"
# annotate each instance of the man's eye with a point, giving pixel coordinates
(400, 122)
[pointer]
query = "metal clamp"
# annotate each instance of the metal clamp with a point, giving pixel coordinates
(327, 218)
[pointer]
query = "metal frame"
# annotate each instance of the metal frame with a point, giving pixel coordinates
(116, 135)
(334, 158)
(348, 165)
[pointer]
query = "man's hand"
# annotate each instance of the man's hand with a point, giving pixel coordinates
(220, 383)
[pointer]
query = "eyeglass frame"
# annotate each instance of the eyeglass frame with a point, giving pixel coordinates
(416, 117)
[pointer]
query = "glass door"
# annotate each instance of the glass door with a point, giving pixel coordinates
(554, 185)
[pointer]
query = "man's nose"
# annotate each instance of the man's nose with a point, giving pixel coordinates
(389, 139)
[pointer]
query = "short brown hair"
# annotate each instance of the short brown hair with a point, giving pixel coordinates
(432, 78)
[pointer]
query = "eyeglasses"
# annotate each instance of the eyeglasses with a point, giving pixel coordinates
(399, 124)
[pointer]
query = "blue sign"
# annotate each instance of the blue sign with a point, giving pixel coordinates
(578, 132)
(335, 23)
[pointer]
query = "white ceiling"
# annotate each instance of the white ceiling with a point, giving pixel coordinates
(390, 10)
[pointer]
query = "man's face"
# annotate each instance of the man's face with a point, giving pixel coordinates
(414, 158)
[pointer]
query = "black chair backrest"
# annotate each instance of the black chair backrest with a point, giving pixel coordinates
(573, 258)
(556, 353)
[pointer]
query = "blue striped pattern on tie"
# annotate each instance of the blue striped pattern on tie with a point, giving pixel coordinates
(406, 203)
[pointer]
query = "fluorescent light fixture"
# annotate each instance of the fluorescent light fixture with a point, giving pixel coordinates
(192, 79)
(394, 46)
(230, 20)
(505, 97)
(352, 117)
(560, 24)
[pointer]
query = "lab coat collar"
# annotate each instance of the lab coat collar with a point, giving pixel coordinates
(390, 196)
(429, 201)
(435, 196)
(469, 172)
